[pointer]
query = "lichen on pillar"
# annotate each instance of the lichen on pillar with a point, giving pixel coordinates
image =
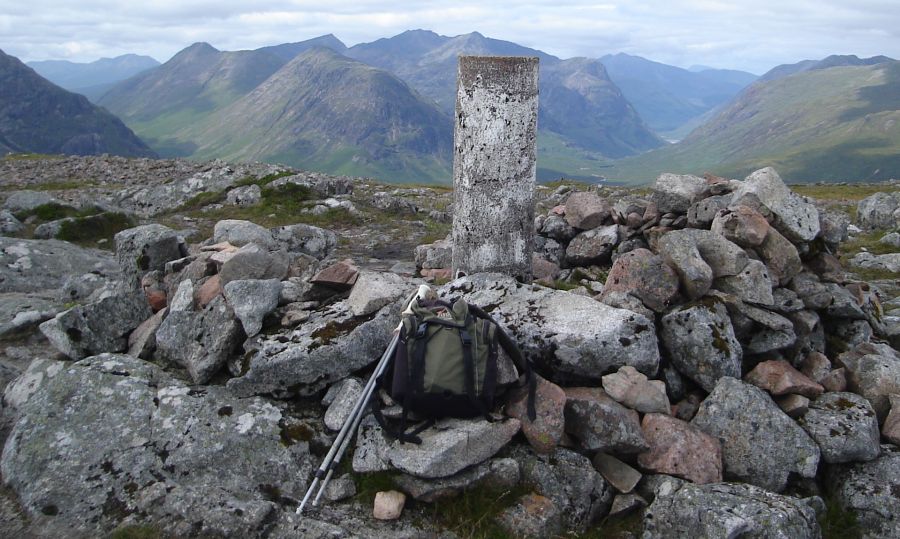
(494, 165)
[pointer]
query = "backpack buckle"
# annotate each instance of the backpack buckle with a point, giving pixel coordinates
(465, 337)
(421, 330)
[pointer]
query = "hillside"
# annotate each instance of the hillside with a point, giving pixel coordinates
(669, 97)
(186, 89)
(77, 77)
(327, 112)
(287, 51)
(835, 60)
(37, 116)
(838, 123)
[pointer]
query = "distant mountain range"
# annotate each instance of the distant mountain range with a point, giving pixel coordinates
(92, 79)
(838, 119)
(36, 116)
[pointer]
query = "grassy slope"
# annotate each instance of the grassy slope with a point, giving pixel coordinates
(834, 124)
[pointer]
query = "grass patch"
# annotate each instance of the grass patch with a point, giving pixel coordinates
(837, 522)
(29, 156)
(850, 191)
(201, 200)
(54, 211)
(574, 184)
(262, 181)
(617, 527)
(471, 514)
(136, 531)
(370, 484)
(88, 231)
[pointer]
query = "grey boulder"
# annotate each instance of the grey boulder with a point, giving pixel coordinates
(38, 265)
(845, 427)
(729, 510)
(599, 423)
(9, 224)
(592, 246)
(307, 239)
(253, 261)
(98, 327)
(675, 192)
(238, 232)
(146, 248)
(752, 284)
(158, 458)
(699, 256)
(870, 491)
(252, 300)
(760, 444)
(373, 290)
(878, 211)
(701, 343)
(873, 371)
(795, 218)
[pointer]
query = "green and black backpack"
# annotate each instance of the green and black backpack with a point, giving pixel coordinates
(445, 365)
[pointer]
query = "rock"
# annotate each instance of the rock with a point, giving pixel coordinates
(388, 505)
(246, 195)
(845, 427)
(873, 371)
(201, 341)
(699, 256)
(240, 233)
(146, 248)
(843, 304)
(97, 327)
(675, 193)
(450, 446)
(786, 301)
(776, 332)
(631, 388)
(592, 246)
(779, 378)
(780, 257)
(434, 255)
(321, 185)
(58, 261)
(549, 328)
(680, 449)
(890, 431)
(345, 399)
(142, 341)
(741, 225)
(340, 488)
(339, 276)
(183, 299)
(307, 239)
(816, 366)
(760, 444)
(600, 423)
(585, 210)
(835, 380)
(532, 516)
(891, 238)
(26, 201)
(569, 479)
(498, 473)
(655, 485)
(644, 275)
(795, 218)
(833, 226)
(621, 476)
(328, 347)
(70, 456)
(543, 269)
(753, 284)
(729, 510)
(886, 262)
(556, 227)
(794, 406)
(373, 290)
(878, 211)
(869, 491)
(254, 262)
(702, 213)
(625, 503)
(701, 343)
(546, 430)
(9, 224)
(252, 300)
(208, 291)
(851, 332)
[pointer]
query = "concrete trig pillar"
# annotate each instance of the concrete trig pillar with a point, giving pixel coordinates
(494, 165)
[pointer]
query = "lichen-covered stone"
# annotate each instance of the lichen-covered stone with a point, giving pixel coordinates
(873, 371)
(601, 424)
(238, 232)
(146, 248)
(760, 444)
(845, 427)
(585, 210)
(699, 256)
(532, 516)
(252, 300)
(645, 276)
(676, 192)
(680, 449)
(592, 246)
(870, 491)
(795, 218)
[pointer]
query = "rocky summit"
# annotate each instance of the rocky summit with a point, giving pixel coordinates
(180, 343)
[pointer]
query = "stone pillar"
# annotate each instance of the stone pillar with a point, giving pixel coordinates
(494, 165)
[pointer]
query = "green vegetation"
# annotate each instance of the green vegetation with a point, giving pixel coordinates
(53, 211)
(557, 159)
(95, 230)
(28, 156)
(837, 522)
(471, 514)
(369, 484)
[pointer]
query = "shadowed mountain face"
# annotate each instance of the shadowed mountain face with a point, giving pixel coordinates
(287, 51)
(40, 117)
(578, 102)
(834, 123)
(669, 97)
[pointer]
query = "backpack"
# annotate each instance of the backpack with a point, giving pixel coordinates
(445, 365)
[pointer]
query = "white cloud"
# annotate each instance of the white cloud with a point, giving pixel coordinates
(744, 35)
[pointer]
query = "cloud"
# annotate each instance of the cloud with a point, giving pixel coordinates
(752, 36)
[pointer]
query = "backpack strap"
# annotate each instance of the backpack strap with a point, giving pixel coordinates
(469, 364)
(512, 349)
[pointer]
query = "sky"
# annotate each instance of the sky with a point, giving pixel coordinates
(751, 36)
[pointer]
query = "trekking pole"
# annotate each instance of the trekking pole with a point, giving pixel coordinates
(356, 420)
(341, 441)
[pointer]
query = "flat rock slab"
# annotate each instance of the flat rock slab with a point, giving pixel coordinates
(760, 444)
(498, 473)
(39, 265)
(845, 427)
(779, 377)
(545, 432)
(644, 275)
(680, 449)
(160, 455)
(146, 248)
(729, 510)
(549, 327)
(601, 424)
(873, 371)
